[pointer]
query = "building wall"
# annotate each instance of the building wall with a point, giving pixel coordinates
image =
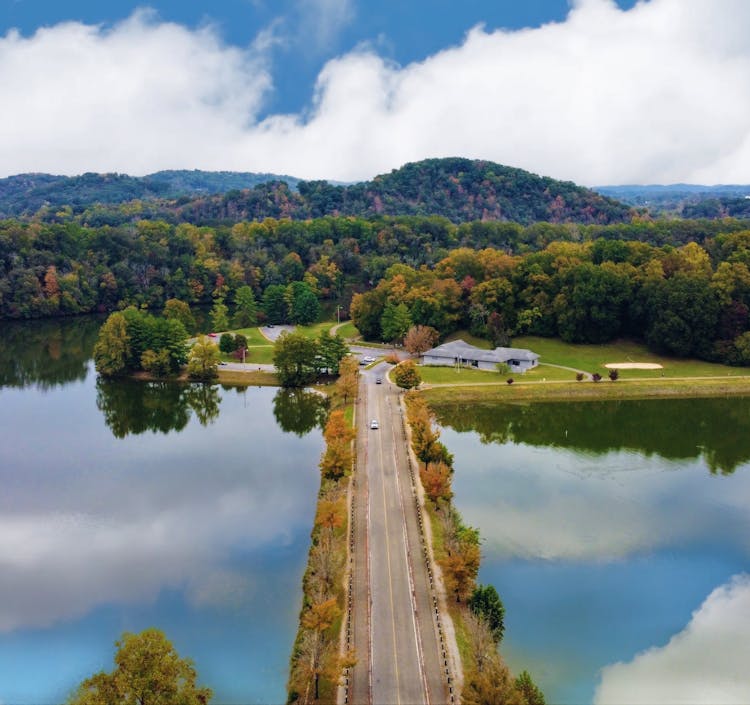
(430, 360)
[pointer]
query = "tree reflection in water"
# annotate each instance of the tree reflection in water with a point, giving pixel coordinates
(132, 407)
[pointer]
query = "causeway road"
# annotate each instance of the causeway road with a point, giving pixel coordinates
(394, 624)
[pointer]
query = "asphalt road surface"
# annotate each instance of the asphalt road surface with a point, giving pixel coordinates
(393, 621)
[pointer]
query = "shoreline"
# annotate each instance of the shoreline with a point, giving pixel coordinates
(558, 390)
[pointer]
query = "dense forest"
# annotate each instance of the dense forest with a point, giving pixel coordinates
(460, 190)
(689, 301)
(44, 195)
(682, 286)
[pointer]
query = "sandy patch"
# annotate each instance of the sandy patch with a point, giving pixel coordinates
(633, 366)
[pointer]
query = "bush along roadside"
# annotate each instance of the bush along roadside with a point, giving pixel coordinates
(317, 661)
(476, 610)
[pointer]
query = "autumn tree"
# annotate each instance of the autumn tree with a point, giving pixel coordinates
(348, 381)
(406, 375)
(148, 670)
(203, 361)
(317, 620)
(493, 685)
(419, 339)
(436, 480)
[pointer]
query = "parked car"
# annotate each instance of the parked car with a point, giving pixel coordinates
(367, 359)
(374, 424)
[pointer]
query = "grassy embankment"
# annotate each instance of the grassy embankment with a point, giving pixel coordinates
(677, 377)
(316, 662)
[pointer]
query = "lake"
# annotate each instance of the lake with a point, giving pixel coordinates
(126, 505)
(618, 537)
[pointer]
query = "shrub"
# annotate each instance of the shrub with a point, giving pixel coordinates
(391, 359)
(240, 341)
(596, 377)
(614, 375)
(509, 380)
(579, 376)
(226, 343)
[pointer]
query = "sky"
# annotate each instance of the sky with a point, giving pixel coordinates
(593, 91)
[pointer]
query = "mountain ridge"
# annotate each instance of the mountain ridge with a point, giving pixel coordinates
(458, 189)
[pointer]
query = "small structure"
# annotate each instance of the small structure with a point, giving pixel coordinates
(461, 354)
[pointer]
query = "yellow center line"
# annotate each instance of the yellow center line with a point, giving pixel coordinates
(388, 555)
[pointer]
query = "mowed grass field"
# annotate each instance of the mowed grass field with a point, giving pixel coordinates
(593, 358)
(433, 374)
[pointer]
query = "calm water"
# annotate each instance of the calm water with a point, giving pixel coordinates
(128, 505)
(618, 536)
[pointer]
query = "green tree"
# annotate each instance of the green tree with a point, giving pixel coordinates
(302, 303)
(219, 317)
(180, 311)
(295, 359)
(395, 322)
(112, 347)
(406, 375)
(148, 671)
(332, 349)
(226, 343)
(246, 309)
(203, 361)
(486, 604)
(274, 303)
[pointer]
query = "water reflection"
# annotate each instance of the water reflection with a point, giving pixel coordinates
(132, 407)
(613, 542)
(672, 428)
(46, 353)
(299, 411)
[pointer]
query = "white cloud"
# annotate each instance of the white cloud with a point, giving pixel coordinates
(654, 94)
(705, 663)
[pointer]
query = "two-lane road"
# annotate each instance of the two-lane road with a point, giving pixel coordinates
(395, 636)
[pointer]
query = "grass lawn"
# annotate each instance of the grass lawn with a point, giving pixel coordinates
(592, 358)
(248, 379)
(435, 374)
(315, 329)
(348, 330)
(253, 335)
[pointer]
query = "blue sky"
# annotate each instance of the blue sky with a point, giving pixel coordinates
(595, 91)
(402, 30)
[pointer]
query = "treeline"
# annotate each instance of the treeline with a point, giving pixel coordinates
(49, 269)
(479, 608)
(316, 664)
(689, 301)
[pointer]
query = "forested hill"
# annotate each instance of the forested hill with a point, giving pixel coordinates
(26, 194)
(461, 190)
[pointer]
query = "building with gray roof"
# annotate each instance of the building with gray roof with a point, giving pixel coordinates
(460, 354)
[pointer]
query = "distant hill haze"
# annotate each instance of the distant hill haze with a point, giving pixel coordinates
(461, 190)
(685, 200)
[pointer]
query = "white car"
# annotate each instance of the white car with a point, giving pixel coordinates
(374, 424)
(367, 359)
